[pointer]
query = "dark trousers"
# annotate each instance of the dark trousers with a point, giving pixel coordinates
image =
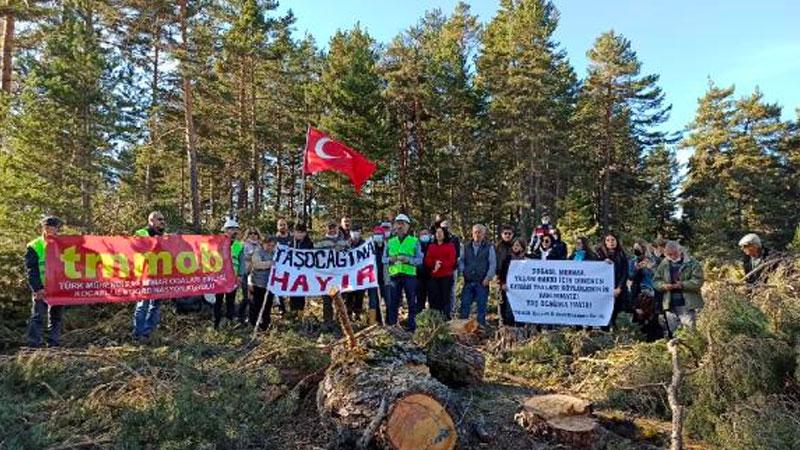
(229, 299)
(327, 309)
(297, 303)
(505, 310)
(36, 326)
(241, 312)
(439, 289)
(398, 285)
(375, 295)
(260, 294)
(355, 303)
(423, 290)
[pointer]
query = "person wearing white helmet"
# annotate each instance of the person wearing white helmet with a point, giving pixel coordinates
(755, 255)
(402, 255)
(231, 230)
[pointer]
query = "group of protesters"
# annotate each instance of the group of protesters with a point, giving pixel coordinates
(659, 284)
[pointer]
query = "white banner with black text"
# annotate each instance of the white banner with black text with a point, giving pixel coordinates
(561, 292)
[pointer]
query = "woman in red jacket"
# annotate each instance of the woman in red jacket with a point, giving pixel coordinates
(441, 261)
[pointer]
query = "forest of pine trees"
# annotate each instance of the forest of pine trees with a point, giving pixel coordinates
(111, 109)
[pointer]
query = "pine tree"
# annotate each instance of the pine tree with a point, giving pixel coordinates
(353, 111)
(61, 138)
(531, 87)
(618, 110)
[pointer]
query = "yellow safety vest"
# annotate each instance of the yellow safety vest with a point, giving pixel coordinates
(407, 248)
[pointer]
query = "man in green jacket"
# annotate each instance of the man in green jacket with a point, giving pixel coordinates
(680, 278)
(147, 313)
(35, 269)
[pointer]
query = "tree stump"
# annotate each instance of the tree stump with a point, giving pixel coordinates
(383, 396)
(456, 365)
(563, 418)
(465, 331)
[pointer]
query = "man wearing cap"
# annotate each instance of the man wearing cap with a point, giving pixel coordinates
(403, 254)
(755, 255)
(231, 229)
(147, 313)
(35, 269)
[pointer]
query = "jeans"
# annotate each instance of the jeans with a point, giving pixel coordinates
(327, 310)
(146, 317)
(474, 290)
(36, 325)
(297, 303)
(439, 289)
(260, 295)
(398, 285)
(229, 299)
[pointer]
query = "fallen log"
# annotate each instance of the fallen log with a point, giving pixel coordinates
(563, 418)
(456, 365)
(383, 395)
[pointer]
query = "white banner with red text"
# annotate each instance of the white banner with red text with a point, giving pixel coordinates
(313, 272)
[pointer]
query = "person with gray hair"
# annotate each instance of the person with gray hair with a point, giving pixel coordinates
(755, 255)
(680, 278)
(478, 266)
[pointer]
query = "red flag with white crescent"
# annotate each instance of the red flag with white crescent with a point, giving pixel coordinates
(323, 153)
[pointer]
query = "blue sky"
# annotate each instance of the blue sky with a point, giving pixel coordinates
(748, 43)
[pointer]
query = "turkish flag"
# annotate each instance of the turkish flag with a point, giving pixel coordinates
(323, 153)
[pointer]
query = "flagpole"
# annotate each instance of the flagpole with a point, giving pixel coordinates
(303, 179)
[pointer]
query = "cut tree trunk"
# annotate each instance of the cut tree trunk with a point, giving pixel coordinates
(465, 331)
(381, 395)
(563, 418)
(457, 365)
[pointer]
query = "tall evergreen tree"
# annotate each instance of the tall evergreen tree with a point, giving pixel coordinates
(531, 87)
(618, 112)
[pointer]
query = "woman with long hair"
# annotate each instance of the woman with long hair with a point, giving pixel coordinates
(612, 252)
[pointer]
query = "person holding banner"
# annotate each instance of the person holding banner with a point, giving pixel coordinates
(612, 252)
(478, 266)
(147, 313)
(403, 254)
(582, 251)
(354, 300)
(333, 239)
(376, 294)
(231, 229)
(517, 253)
(260, 299)
(35, 268)
(300, 240)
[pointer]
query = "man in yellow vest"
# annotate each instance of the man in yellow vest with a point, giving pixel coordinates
(35, 268)
(231, 229)
(402, 255)
(147, 313)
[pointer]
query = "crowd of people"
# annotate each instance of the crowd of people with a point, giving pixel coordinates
(658, 284)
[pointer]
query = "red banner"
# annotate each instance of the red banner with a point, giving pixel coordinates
(104, 269)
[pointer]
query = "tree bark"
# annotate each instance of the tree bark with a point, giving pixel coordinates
(677, 408)
(563, 418)
(189, 131)
(9, 20)
(457, 365)
(381, 394)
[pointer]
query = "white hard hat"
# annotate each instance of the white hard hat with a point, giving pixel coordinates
(230, 223)
(750, 239)
(402, 218)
